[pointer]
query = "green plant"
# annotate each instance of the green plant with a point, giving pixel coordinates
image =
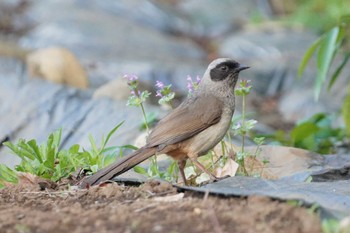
(49, 161)
(241, 126)
(136, 99)
(99, 157)
(315, 133)
(7, 175)
(327, 47)
(318, 15)
(330, 226)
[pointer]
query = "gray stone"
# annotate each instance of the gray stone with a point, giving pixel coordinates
(208, 18)
(273, 53)
(110, 45)
(155, 14)
(32, 109)
(332, 197)
(102, 37)
(212, 18)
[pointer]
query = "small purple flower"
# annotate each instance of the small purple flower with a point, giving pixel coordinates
(159, 84)
(134, 93)
(132, 80)
(245, 83)
(159, 93)
(192, 85)
(189, 84)
(160, 87)
(130, 77)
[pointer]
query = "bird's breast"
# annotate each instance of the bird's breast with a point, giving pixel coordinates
(201, 143)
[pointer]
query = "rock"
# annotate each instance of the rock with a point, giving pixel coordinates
(285, 161)
(206, 18)
(118, 89)
(264, 48)
(344, 225)
(331, 197)
(105, 37)
(111, 45)
(37, 108)
(57, 65)
(14, 19)
(212, 18)
(159, 15)
(274, 54)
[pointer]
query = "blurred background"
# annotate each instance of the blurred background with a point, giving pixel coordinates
(62, 62)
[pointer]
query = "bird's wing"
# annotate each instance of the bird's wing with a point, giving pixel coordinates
(186, 121)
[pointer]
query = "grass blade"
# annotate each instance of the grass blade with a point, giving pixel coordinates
(111, 133)
(338, 71)
(325, 57)
(308, 54)
(346, 113)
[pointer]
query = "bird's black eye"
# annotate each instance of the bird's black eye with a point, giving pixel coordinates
(224, 68)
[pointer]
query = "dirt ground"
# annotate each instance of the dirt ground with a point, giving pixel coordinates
(151, 207)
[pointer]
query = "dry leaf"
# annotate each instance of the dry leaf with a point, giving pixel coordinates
(229, 169)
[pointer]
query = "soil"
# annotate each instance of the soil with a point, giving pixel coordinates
(151, 207)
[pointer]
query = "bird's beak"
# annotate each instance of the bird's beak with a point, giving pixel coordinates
(242, 67)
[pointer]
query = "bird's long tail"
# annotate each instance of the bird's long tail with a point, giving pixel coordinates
(118, 167)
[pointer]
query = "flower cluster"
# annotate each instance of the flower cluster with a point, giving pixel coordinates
(164, 93)
(192, 85)
(243, 87)
(137, 97)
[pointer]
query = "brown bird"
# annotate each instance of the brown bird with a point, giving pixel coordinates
(191, 129)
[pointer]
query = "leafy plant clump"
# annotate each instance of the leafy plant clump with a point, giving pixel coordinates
(50, 162)
(317, 133)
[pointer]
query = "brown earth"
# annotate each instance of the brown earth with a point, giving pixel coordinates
(151, 207)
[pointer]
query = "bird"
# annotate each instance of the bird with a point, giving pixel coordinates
(192, 129)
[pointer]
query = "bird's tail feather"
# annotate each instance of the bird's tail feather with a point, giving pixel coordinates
(118, 167)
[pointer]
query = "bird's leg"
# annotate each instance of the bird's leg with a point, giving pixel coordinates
(182, 164)
(203, 169)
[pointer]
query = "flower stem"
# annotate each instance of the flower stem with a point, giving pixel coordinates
(243, 122)
(243, 133)
(144, 117)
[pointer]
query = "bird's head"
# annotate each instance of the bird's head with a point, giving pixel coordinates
(222, 74)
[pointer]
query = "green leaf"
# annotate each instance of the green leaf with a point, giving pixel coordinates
(324, 58)
(308, 54)
(17, 150)
(94, 168)
(338, 71)
(302, 131)
(345, 19)
(24, 150)
(330, 226)
(36, 152)
(111, 133)
(93, 145)
(7, 174)
(108, 159)
(74, 149)
(129, 147)
(346, 112)
(140, 170)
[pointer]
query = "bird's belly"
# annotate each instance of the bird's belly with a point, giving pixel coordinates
(207, 139)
